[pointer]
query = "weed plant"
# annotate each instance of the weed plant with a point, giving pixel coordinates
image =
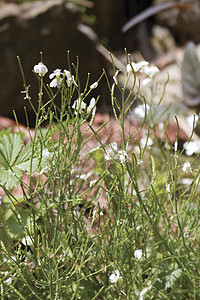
(57, 239)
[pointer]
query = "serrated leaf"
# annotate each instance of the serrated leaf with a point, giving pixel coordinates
(171, 279)
(190, 73)
(23, 161)
(14, 159)
(13, 228)
(6, 131)
(10, 146)
(10, 179)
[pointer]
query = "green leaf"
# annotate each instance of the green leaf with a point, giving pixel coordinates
(10, 146)
(6, 131)
(171, 279)
(10, 179)
(4, 237)
(12, 228)
(14, 159)
(190, 73)
(23, 161)
(98, 157)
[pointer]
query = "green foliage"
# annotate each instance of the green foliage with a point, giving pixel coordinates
(15, 220)
(14, 158)
(98, 157)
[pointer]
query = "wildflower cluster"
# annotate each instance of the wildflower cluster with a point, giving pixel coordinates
(57, 77)
(113, 152)
(144, 67)
(79, 106)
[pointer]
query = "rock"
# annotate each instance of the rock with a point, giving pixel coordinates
(26, 30)
(112, 15)
(183, 20)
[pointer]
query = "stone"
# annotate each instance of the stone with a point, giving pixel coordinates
(26, 30)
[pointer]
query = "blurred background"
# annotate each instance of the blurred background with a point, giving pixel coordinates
(88, 28)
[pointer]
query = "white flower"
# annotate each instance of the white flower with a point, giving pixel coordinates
(140, 110)
(186, 181)
(94, 214)
(114, 146)
(26, 92)
(31, 265)
(143, 67)
(69, 78)
(78, 106)
(150, 71)
(94, 85)
(92, 182)
(91, 105)
(128, 68)
(8, 280)
(115, 277)
(113, 152)
(46, 154)
(149, 286)
(27, 241)
(146, 142)
(115, 77)
(147, 82)
(55, 73)
(175, 146)
(136, 66)
(141, 64)
(138, 253)
(45, 169)
(191, 120)
(29, 255)
(122, 156)
(56, 82)
(191, 147)
(168, 188)
(109, 154)
(187, 167)
(84, 176)
(40, 69)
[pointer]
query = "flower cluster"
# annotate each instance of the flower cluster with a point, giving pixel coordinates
(113, 152)
(144, 67)
(79, 106)
(57, 78)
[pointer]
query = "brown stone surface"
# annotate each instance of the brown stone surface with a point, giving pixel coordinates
(25, 31)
